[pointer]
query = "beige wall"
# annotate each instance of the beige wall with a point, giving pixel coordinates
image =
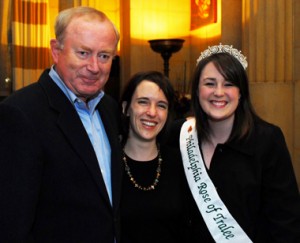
(296, 90)
(156, 19)
(269, 41)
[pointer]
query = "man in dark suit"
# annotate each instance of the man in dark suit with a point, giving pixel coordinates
(60, 164)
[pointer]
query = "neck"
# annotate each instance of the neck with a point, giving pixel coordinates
(220, 130)
(141, 151)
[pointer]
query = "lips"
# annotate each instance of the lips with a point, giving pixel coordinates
(89, 79)
(219, 103)
(149, 123)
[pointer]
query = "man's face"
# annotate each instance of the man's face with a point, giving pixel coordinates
(84, 60)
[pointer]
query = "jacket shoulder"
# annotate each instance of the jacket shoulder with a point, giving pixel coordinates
(265, 131)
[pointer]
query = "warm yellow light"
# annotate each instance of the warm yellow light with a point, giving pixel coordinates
(159, 19)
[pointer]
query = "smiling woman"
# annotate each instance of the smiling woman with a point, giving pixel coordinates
(155, 193)
(247, 186)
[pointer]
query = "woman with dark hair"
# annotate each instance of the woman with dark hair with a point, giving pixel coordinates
(238, 166)
(155, 192)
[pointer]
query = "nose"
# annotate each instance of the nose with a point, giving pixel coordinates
(219, 91)
(93, 64)
(152, 110)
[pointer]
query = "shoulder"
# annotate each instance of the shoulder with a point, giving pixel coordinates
(172, 162)
(33, 94)
(24, 95)
(265, 138)
(265, 141)
(8, 112)
(15, 128)
(268, 132)
(109, 99)
(174, 133)
(169, 150)
(171, 154)
(109, 103)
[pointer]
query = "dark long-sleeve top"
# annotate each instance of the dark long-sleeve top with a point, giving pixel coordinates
(160, 215)
(256, 181)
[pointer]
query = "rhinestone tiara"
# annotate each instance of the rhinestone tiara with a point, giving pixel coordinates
(224, 49)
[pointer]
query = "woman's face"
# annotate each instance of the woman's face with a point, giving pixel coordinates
(148, 111)
(218, 97)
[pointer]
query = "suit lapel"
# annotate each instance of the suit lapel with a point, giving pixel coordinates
(70, 124)
(108, 115)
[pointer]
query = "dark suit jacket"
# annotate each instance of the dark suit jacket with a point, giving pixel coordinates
(51, 187)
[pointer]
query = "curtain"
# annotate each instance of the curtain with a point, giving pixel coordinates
(30, 40)
(5, 49)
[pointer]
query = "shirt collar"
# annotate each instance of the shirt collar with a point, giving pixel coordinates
(92, 103)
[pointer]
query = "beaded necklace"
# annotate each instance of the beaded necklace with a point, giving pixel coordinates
(134, 182)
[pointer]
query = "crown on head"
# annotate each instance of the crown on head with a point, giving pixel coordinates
(223, 49)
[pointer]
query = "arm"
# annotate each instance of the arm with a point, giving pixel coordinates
(281, 201)
(20, 175)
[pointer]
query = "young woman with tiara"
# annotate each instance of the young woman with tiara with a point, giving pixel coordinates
(238, 166)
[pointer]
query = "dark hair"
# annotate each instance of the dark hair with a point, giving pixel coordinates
(163, 83)
(233, 71)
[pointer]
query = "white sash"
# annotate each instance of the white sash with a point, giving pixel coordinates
(222, 226)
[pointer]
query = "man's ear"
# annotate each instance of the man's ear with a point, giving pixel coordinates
(55, 49)
(124, 104)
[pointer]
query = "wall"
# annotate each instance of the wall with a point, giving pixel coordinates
(269, 41)
(296, 88)
(158, 19)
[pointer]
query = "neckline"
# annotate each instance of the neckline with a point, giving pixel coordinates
(132, 178)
